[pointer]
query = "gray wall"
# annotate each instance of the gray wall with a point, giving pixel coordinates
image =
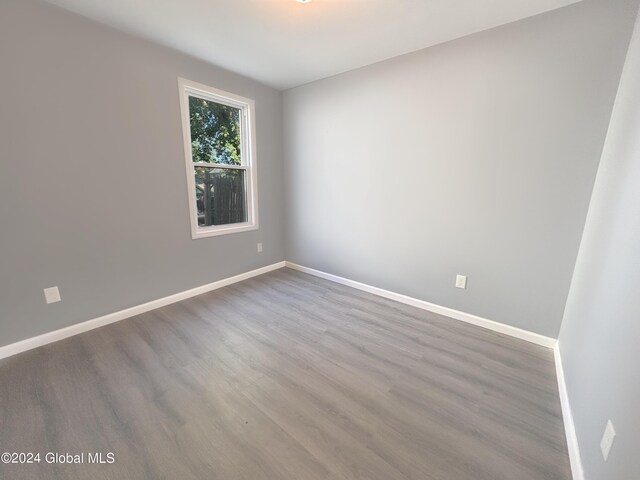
(474, 157)
(600, 335)
(93, 195)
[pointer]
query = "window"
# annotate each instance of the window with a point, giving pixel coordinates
(219, 138)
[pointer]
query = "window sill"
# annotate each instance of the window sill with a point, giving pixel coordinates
(204, 232)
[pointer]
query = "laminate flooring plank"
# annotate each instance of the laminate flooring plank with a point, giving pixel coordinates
(286, 376)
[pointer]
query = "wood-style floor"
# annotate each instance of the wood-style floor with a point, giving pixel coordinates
(286, 376)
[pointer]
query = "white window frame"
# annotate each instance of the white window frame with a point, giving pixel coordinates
(188, 88)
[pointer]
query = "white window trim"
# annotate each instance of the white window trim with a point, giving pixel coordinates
(248, 154)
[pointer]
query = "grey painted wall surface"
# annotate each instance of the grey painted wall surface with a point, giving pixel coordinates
(92, 181)
(600, 335)
(476, 157)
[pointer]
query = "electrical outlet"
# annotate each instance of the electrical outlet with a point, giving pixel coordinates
(607, 440)
(52, 295)
(461, 281)
(259, 248)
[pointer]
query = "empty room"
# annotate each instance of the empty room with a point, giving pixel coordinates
(320, 239)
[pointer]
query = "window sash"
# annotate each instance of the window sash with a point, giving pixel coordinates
(219, 165)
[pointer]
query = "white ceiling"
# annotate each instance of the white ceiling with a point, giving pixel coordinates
(284, 43)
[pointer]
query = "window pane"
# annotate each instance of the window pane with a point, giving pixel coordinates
(215, 132)
(221, 196)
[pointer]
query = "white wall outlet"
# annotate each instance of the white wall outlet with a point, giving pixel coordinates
(259, 248)
(52, 295)
(461, 281)
(607, 440)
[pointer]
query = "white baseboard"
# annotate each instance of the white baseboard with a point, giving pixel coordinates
(567, 417)
(432, 307)
(34, 342)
